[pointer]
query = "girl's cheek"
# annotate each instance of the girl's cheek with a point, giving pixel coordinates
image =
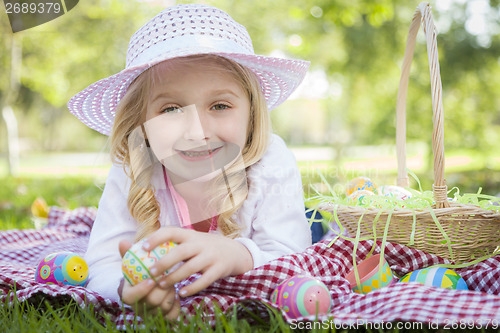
(161, 144)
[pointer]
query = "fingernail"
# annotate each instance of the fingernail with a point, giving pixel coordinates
(183, 292)
(153, 271)
(163, 284)
(145, 246)
(151, 282)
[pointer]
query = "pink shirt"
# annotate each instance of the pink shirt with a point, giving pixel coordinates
(182, 208)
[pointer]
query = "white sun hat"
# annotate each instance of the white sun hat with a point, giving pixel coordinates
(179, 31)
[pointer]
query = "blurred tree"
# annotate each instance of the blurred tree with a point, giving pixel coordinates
(65, 55)
(12, 84)
(361, 46)
(359, 43)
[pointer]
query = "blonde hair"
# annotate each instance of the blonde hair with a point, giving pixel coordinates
(127, 127)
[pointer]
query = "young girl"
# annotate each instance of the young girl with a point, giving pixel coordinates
(194, 158)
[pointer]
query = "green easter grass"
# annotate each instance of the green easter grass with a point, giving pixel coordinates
(419, 201)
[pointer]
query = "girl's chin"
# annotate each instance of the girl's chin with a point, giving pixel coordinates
(207, 177)
(182, 175)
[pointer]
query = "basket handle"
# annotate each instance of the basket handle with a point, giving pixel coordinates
(423, 16)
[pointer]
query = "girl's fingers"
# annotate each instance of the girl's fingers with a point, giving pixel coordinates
(195, 265)
(176, 255)
(159, 297)
(173, 314)
(168, 301)
(206, 279)
(123, 246)
(134, 294)
(165, 234)
(156, 299)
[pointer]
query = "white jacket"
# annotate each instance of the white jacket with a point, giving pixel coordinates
(273, 215)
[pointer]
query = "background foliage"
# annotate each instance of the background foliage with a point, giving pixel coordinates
(355, 47)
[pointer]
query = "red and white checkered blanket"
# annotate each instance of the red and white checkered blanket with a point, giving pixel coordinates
(20, 251)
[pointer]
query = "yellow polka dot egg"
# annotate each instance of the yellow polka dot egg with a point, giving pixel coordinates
(62, 268)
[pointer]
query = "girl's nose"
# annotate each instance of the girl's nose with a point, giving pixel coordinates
(196, 129)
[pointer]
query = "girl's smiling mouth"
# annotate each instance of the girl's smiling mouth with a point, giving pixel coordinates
(198, 155)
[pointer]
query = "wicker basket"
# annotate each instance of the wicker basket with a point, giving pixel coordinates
(462, 232)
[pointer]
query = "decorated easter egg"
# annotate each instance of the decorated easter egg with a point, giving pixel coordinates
(137, 261)
(302, 295)
(360, 183)
(62, 268)
(436, 277)
(394, 191)
(357, 197)
(371, 275)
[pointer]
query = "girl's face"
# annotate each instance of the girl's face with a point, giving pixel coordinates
(197, 118)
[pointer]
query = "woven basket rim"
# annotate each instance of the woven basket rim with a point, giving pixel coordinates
(455, 208)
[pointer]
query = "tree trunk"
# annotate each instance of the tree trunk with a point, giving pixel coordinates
(7, 112)
(12, 140)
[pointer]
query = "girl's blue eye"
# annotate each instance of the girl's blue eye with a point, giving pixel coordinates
(220, 107)
(171, 109)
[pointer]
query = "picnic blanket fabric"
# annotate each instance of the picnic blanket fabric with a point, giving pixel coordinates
(21, 250)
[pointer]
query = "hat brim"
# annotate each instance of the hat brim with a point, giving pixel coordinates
(95, 105)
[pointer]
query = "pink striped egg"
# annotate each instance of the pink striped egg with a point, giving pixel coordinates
(301, 296)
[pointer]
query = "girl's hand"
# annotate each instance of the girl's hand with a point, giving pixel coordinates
(215, 256)
(147, 296)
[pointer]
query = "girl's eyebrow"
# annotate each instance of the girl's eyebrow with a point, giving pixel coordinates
(224, 92)
(161, 95)
(216, 92)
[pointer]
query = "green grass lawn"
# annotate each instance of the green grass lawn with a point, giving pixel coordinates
(16, 197)
(68, 317)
